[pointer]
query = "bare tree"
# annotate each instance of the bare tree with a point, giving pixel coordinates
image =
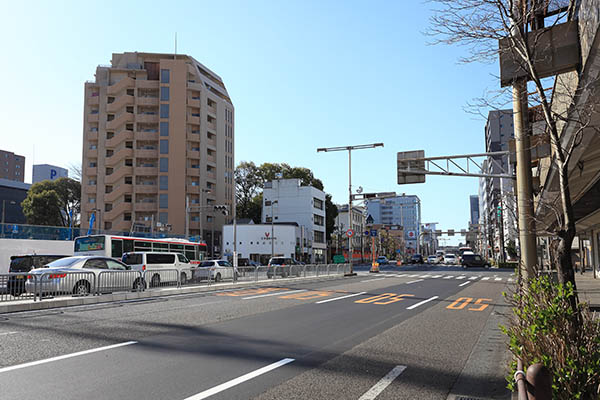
(480, 25)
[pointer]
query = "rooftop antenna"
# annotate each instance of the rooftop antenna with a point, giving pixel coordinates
(175, 43)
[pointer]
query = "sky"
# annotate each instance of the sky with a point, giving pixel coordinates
(301, 74)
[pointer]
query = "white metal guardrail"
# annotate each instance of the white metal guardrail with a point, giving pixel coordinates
(39, 286)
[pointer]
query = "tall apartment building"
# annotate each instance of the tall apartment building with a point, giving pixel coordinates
(474, 205)
(359, 224)
(285, 200)
(158, 128)
(404, 210)
(12, 166)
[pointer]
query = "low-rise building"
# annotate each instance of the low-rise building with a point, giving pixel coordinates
(47, 172)
(12, 194)
(258, 242)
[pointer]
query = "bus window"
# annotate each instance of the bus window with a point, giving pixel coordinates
(164, 247)
(176, 248)
(116, 248)
(142, 246)
(190, 252)
(89, 243)
(127, 246)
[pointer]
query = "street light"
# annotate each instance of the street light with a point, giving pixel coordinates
(10, 202)
(272, 229)
(349, 149)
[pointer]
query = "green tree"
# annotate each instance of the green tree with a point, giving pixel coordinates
(331, 212)
(248, 185)
(51, 202)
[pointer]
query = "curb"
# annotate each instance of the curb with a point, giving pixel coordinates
(31, 305)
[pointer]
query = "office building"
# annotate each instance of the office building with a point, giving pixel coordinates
(158, 130)
(403, 210)
(358, 226)
(12, 166)
(285, 200)
(46, 172)
(474, 203)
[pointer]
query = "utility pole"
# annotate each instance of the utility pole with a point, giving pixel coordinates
(523, 156)
(349, 149)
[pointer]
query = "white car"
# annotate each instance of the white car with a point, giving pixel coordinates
(216, 270)
(449, 259)
(160, 267)
(432, 260)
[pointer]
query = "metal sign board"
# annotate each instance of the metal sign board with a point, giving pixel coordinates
(410, 169)
(438, 231)
(373, 232)
(463, 232)
(450, 232)
(349, 233)
(369, 219)
(367, 233)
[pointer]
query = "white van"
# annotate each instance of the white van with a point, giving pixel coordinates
(160, 267)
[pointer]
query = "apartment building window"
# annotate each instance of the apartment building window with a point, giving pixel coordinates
(93, 164)
(163, 182)
(164, 76)
(128, 180)
(164, 93)
(164, 111)
(92, 182)
(92, 200)
(164, 146)
(128, 198)
(127, 217)
(163, 217)
(318, 220)
(163, 200)
(164, 165)
(319, 237)
(318, 203)
(164, 129)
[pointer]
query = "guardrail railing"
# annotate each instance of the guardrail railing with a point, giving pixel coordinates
(38, 286)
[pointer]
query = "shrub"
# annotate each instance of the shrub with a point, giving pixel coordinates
(546, 329)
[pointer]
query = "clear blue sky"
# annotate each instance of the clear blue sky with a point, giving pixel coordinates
(302, 74)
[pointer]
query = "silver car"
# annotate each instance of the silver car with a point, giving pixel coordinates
(216, 270)
(82, 275)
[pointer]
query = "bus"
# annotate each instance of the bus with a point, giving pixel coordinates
(114, 246)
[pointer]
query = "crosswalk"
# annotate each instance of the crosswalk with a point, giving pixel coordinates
(421, 276)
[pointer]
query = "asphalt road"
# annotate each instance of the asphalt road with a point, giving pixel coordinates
(417, 332)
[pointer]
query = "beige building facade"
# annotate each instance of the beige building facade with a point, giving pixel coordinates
(158, 134)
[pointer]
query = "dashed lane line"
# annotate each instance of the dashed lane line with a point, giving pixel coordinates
(486, 278)
(415, 281)
(461, 277)
(436, 276)
(383, 383)
(371, 280)
(340, 298)
(473, 278)
(274, 294)
(448, 277)
(8, 333)
(421, 303)
(241, 379)
(498, 279)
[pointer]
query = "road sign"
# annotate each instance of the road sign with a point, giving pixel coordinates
(405, 168)
(367, 233)
(450, 232)
(373, 232)
(369, 219)
(349, 233)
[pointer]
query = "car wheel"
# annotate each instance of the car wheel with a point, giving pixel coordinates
(218, 277)
(82, 288)
(155, 280)
(139, 285)
(183, 278)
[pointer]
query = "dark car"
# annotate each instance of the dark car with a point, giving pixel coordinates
(23, 264)
(473, 260)
(416, 259)
(283, 266)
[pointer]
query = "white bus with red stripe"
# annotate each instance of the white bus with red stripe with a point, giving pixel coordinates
(114, 246)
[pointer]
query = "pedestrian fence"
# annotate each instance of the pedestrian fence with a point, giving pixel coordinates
(46, 285)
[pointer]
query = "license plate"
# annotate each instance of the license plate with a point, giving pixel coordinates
(20, 276)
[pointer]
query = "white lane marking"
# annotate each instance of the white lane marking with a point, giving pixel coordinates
(473, 278)
(415, 281)
(241, 379)
(498, 279)
(461, 277)
(8, 333)
(371, 280)
(421, 303)
(436, 276)
(448, 277)
(425, 276)
(383, 383)
(511, 280)
(79, 353)
(485, 278)
(339, 298)
(412, 276)
(464, 283)
(274, 294)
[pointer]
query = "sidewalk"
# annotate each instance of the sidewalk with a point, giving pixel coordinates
(588, 289)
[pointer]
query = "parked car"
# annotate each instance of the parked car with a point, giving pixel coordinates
(440, 256)
(416, 259)
(283, 266)
(382, 260)
(25, 263)
(81, 275)
(159, 267)
(449, 259)
(433, 259)
(215, 270)
(473, 260)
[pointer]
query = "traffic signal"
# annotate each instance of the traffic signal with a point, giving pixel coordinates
(224, 209)
(499, 211)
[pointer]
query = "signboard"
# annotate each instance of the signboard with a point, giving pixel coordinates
(373, 232)
(450, 232)
(407, 167)
(463, 232)
(369, 219)
(438, 232)
(349, 233)
(411, 234)
(367, 233)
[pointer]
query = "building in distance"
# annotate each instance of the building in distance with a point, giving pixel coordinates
(47, 172)
(12, 166)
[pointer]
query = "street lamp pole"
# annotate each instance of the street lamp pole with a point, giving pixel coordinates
(349, 149)
(273, 229)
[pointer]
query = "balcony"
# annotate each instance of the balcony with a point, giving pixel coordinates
(146, 171)
(146, 84)
(193, 171)
(118, 192)
(122, 119)
(212, 110)
(212, 159)
(92, 135)
(119, 137)
(146, 153)
(119, 103)
(91, 171)
(193, 102)
(124, 83)
(193, 120)
(92, 153)
(146, 189)
(118, 175)
(146, 206)
(193, 154)
(117, 210)
(147, 101)
(90, 189)
(146, 135)
(147, 118)
(194, 137)
(93, 100)
(92, 117)
(192, 189)
(118, 156)
(212, 142)
(211, 126)
(211, 175)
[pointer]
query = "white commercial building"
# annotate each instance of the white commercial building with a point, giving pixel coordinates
(47, 172)
(254, 241)
(285, 200)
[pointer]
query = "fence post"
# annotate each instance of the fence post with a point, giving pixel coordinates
(540, 382)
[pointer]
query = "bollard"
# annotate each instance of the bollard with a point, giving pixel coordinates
(539, 382)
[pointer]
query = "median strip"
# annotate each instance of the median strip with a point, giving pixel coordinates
(241, 379)
(339, 298)
(383, 383)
